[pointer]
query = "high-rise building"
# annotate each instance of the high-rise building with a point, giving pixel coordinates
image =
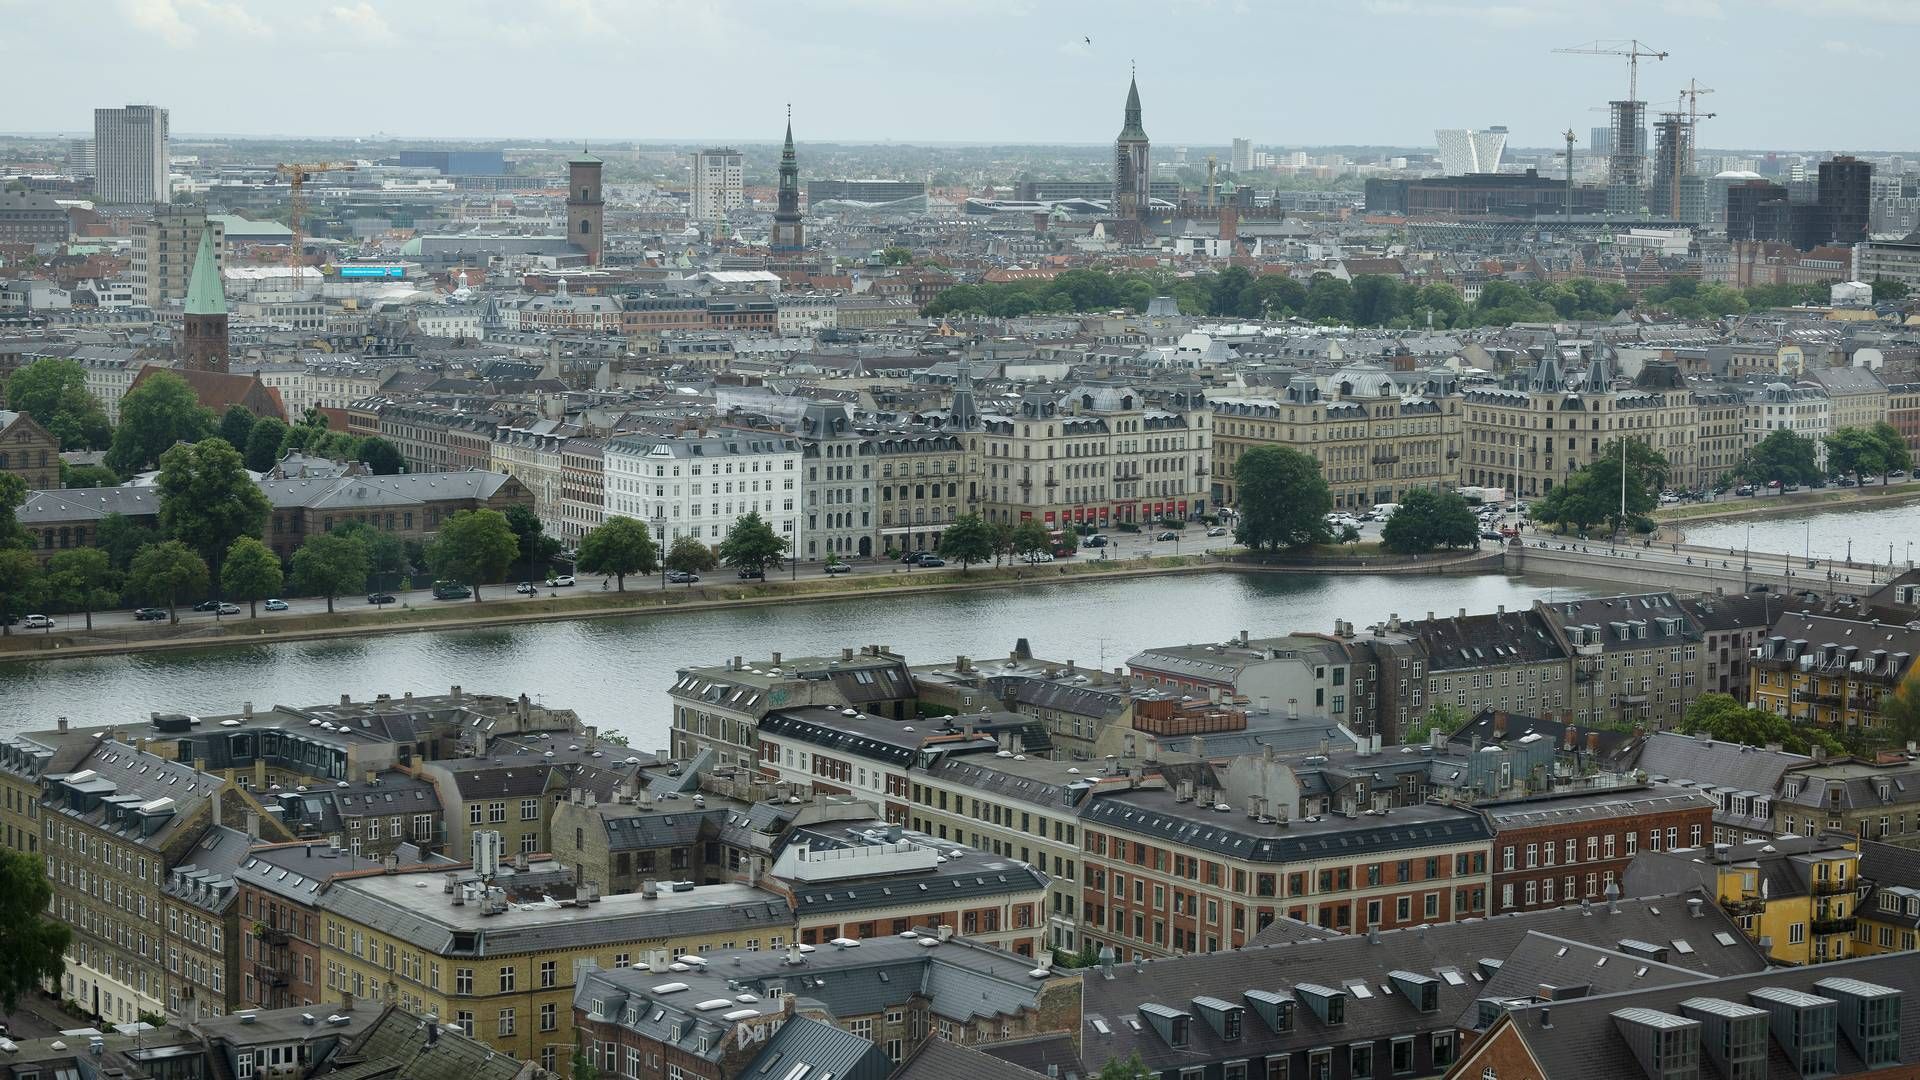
(1600, 141)
(789, 234)
(1674, 185)
(79, 157)
(1132, 162)
(1757, 209)
(1626, 157)
(1846, 199)
(1242, 155)
(163, 251)
(203, 328)
(1464, 152)
(130, 154)
(585, 209)
(718, 187)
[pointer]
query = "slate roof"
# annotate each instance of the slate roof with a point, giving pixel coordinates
(1478, 641)
(972, 875)
(203, 875)
(394, 1044)
(938, 1059)
(1599, 804)
(830, 1050)
(1157, 813)
(118, 775)
(1609, 612)
(1579, 1039)
(1894, 873)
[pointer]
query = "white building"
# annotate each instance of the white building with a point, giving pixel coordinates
(1805, 410)
(1463, 151)
(698, 485)
(447, 320)
(718, 184)
(130, 154)
(800, 316)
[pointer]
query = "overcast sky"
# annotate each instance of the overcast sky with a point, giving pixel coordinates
(1789, 74)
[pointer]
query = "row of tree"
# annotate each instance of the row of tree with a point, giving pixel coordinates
(1595, 493)
(623, 547)
(1284, 503)
(1788, 457)
(1365, 300)
(162, 412)
(970, 539)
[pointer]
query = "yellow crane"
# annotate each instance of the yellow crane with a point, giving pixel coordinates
(297, 174)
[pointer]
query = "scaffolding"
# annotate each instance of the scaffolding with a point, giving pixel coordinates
(1627, 161)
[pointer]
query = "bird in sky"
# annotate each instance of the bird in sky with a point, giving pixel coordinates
(1088, 40)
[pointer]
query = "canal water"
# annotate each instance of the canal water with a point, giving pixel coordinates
(1829, 534)
(615, 672)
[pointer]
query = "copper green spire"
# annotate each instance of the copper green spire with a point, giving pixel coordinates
(205, 294)
(1132, 129)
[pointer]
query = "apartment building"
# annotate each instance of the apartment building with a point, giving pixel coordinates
(583, 490)
(717, 185)
(535, 456)
(926, 480)
(1528, 440)
(502, 970)
(1302, 672)
(699, 485)
(1510, 661)
(1096, 455)
(838, 484)
(1830, 671)
(433, 439)
(1793, 895)
(28, 451)
(1876, 799)
(1797, 407)
(1636, 660)
(163, 254)
(1558, 847)
(1374, 441)
(721, 708)
(1856, 397)
(1165, 873)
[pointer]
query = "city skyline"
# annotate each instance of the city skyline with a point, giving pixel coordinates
(385, 68)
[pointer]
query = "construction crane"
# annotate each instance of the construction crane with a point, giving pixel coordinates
(297, 174)
(1633, 49)
(1692, 93)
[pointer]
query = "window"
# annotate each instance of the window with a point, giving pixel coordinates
(529, 809)
(549, 1017)
(506, 980)
(506, 1022)
(1403, 1055)
(1360, 1061)
(548, 974)
(463, 981)
(1442, 1049)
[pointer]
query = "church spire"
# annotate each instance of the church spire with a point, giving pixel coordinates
(1132, 128)
(788, 233)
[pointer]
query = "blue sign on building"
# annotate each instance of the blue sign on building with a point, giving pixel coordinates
(373, 271)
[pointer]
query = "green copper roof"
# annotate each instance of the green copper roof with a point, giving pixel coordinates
(1131, 129)
(205, 294)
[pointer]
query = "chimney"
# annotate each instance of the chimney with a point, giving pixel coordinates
(960, 663)
(1499, 725)
(63, 723)
(253, 824)
(246, 710)
(1501, 609)
(1243, 638)
(1570, 739)
(846, 652)
(214, 808)
(1200, 747)
(776, 659)
(455, 693)
(1593, 742)
(1429, 616)
(1463, 613)
(346, 1001)
(345, 700)
(739, 664)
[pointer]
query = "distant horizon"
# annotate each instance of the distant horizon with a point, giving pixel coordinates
(970, 72)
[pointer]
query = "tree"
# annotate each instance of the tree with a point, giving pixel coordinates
(122, 538)
(583, 1067)
(387, 562)
(236, 424)
(1329, 299)
(752, 545)
(1721, 717)
(895, 255)
(1889, 289)
(264, 442)
(1349, 534)
(1646, 476)
(1283, 499)
(1002, 533)
(1427, 520)
(155, 415)
(13, 495)
(31, 944)
(967, 539)
(164, 571)
(207, 499)
(54, 392)
(1785, 456)
(330, 565)
(620, 546)
(688, 555)
(1130, 1068)
(251, 572)
(19, 577)
(1443, 718)
(530, 537)
(1029, 537)
(474, 546)
(1894, 453)
(1900, 714)
(89, 476)
(382, 456)
(1852, 451)
(82, 579)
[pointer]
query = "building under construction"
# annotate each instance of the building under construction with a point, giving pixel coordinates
(1627, 157)
(1675, 190)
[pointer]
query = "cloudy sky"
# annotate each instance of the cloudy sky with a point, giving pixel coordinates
(1789, 74)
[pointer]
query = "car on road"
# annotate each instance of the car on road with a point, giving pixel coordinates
(682, 577)
(1491, 534)
(1743, 489)
(38, 622)
(276, 604)
(560, 581)
(382, 598)
(451, 590)
(839, 568)
(1097, 540)
(1168, 535)
(1896, 472)
(1217, 530)
(1037, 557)
(527, 588)
(229, 609)
(207, 605)
(748, 573)
(927, 558)
(149, 614)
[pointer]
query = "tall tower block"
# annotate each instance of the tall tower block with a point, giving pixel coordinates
(585, 209)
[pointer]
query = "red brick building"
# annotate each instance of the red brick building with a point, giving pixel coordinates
(1551, 850)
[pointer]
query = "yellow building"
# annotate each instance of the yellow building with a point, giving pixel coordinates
(502, 971)
(1830, 671)
(1793, 894)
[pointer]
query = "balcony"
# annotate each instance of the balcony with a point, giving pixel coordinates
(1833, 926)
(269, 976)
(1831, 887)
(273, 936)
(1746, 905)
(1385, 457)
(1817, 697)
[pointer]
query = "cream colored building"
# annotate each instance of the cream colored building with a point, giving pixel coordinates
(1095, 454)
(163, 250)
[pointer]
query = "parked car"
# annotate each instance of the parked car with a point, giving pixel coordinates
(381, 598)
(1037, 557)
(560, 581)
(1217, 530)
(229, 609)
(1097, 540)
(451, 590)
(207, 605)
(747, 573)
(1491, 534)
(276, 604)
(38, 622)
(929, 559)
(1743, 489)
(1168, 535)
(682, 577)
(149, 614)
(839, 568)
(527, 588)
